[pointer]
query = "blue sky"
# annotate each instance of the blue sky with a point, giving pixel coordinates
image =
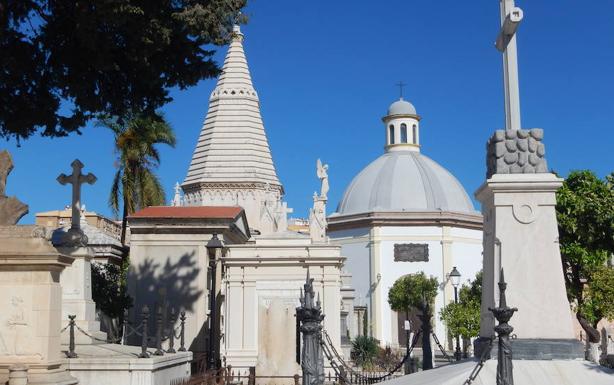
(326, 71)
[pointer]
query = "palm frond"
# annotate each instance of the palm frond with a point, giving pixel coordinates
(116, 193)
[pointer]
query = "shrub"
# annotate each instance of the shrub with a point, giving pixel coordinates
(364, 350)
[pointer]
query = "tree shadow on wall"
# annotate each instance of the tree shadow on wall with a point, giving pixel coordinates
(171, 285)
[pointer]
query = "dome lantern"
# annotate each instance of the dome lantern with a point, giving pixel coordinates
(402, 124)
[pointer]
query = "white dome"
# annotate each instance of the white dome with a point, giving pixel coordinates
(401, 107)
(404, 181)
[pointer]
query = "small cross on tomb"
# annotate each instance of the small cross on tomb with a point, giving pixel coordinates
(76, 179)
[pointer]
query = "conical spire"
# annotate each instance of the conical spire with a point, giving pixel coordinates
(232, 162)
(233, 146)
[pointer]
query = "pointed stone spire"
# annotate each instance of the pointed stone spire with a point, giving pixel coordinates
(232, 162)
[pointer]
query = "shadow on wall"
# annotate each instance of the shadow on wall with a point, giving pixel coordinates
(169, 286)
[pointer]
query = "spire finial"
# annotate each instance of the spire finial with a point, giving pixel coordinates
(401, 85)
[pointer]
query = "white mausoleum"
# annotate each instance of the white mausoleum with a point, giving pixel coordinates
(260, 277)
(402, 214)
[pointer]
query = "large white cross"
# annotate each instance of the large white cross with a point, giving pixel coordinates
(511, 16)
(76, 179)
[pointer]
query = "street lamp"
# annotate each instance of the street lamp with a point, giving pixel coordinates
(455, 278)
(213, 246)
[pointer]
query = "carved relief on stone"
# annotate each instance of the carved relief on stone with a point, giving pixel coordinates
(411, 252)
(17, 333)
(516, 152)
(524, 213)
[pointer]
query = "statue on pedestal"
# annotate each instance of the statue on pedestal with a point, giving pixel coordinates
(11, 209)
(317, 215)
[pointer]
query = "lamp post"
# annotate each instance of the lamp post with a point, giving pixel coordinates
(213, 246)
(455, 278)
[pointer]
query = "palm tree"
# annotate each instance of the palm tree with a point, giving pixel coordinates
(135, 184)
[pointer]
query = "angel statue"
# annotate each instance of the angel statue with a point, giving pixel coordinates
(323, 176)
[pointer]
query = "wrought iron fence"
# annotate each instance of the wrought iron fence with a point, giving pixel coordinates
(230, 376)
(163, 333)
(346, 374)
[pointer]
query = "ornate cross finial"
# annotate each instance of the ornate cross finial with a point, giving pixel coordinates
(401, 85)
(74, 236)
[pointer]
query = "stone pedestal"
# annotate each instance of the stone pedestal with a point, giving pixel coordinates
(76, 281)
(521, 236)
(30, 307)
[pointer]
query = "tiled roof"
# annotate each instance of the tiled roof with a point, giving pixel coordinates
(211, 212)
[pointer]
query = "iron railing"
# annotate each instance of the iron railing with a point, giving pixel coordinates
(163, 333)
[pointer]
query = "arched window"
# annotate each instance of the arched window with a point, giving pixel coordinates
(391, 133)
(403, 133)
(415, 134)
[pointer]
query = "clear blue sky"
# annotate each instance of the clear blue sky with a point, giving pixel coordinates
(326, 71)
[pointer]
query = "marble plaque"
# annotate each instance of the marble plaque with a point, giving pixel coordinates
(411, 252)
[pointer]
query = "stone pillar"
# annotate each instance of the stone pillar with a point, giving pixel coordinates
(30, 307)
(521, 236)
(76, 281)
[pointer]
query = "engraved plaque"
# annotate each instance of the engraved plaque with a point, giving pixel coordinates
(411, 252)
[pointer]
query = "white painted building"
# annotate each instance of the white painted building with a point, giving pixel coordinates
(407, 201)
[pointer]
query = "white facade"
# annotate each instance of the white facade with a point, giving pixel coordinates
(370, 253)
(262, 288)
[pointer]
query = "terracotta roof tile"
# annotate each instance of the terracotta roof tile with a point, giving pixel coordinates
(213, 212)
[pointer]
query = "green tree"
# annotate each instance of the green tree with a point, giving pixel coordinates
(463, 318)
(417, 291)
(135, 184)
(109, 291)
(585, 214)
(65, 62)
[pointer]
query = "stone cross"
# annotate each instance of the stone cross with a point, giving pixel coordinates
(511, 16)
(76, 179)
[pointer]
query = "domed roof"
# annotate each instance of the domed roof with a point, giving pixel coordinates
(401, 107)
(404, 181)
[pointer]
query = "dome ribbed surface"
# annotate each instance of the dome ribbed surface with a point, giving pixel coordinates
(404, 181)
(402, 107)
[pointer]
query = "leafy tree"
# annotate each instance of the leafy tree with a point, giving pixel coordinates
(109, 291)
(65, 62)
(135, 184)
(417, 291)
(463, 318)
(585, 214)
